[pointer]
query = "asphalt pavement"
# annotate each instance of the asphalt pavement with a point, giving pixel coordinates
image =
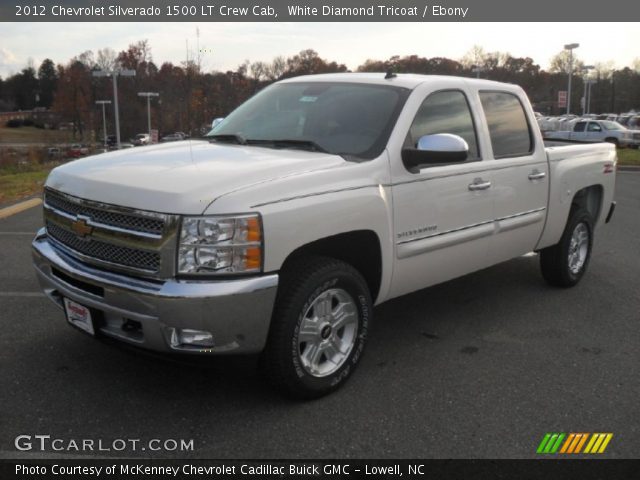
(478, 367)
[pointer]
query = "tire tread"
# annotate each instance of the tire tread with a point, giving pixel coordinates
(295, 279)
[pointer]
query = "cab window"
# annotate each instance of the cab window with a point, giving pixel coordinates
(446, 111)
(508, 127)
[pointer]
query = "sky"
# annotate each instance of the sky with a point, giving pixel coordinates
(226, 45)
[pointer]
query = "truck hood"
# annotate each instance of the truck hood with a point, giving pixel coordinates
(181, 177)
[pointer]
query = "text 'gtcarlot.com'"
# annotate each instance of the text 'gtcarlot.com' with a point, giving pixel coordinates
(45, 443)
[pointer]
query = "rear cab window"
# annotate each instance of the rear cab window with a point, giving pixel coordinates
(509, 128)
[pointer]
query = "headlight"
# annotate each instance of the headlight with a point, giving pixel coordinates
(220, 244)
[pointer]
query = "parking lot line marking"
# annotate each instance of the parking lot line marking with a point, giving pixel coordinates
(19, 207)
(21, 294)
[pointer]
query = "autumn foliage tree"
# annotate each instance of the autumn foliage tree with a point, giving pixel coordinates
(74, 96)
(189, 98)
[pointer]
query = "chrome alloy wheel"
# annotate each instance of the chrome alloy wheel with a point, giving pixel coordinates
(327, 332)
(578, 248)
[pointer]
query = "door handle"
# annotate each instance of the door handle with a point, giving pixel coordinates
(536, 175)
(479, 184)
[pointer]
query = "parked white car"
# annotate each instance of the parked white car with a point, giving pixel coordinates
(598, 131)
(315, 200)
(141, 139)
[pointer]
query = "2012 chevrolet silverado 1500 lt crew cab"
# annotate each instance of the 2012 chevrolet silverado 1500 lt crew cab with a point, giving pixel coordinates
(313, 201)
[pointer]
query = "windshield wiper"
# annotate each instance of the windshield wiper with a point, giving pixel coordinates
(230, 138)
(286, 143)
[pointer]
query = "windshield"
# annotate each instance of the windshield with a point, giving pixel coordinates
(346, 119)
(612, 125)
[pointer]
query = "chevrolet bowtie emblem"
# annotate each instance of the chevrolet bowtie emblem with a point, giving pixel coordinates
(80, 228)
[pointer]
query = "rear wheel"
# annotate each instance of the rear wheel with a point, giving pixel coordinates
(612, 140)
(564, 264)
(319, 327)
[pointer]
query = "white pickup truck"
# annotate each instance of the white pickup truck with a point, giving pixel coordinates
(315, 200)
(598, 131)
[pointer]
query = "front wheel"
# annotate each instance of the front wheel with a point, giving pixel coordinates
(564, 264)
(614, 141)
(319, 327)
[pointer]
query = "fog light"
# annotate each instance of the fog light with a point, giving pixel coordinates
(196, 338)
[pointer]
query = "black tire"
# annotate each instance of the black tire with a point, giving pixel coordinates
(302, 283)
(554, 260)
(614, 141)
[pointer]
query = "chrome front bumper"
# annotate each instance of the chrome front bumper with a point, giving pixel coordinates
(236, 312)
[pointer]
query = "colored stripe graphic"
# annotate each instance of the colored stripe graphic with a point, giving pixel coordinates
(598, 442)
(581, 442)
(568, 442)
(555, 447)
(543, 443)
(573, 443)
(550, 443)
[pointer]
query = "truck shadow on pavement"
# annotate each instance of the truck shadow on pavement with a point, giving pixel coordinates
(429, 317)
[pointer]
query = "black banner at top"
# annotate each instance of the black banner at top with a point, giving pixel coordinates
(317, 11)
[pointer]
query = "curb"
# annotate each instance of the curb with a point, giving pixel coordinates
(629, 168)
(19, 207)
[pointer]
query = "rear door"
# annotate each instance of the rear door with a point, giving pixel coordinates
(579, 131)
(520, 175)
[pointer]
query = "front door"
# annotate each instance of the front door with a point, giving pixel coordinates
(443, 214)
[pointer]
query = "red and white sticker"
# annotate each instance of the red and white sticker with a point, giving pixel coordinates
(79, 315)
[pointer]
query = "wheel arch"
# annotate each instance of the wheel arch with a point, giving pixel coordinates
(590, 198)
(359, 248)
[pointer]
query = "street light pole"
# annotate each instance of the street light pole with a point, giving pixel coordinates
(116, 110)
(477, 70)
(104, 120)
(590, 82)
(613, 91)
(114, 74)
(148, 95)
(587, 88)
(570, 47)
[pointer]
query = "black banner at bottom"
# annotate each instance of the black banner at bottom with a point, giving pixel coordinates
(566, 468)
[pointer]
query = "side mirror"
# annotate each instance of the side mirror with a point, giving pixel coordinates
(216, 122)
(441, 148)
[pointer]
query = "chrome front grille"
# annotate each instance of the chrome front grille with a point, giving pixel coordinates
(106, 217)
(116, 238)
(106, 252)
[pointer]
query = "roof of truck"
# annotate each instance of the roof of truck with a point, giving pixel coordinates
(406, 80)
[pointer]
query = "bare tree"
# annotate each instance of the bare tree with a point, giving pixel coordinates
(276, 68)
(603, 70)
(85, 58)
(476, 56)
(560, 63)
(106, 59)
(257, 71)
